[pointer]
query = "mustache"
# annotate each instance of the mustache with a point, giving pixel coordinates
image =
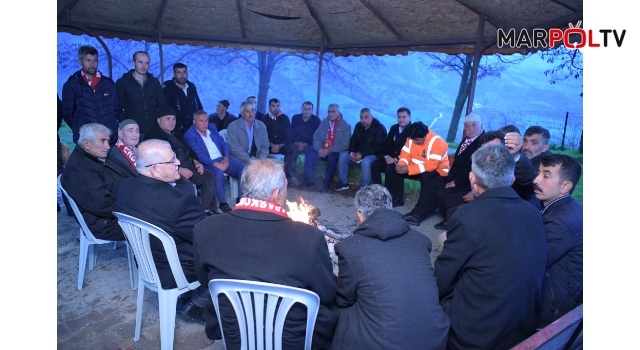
(537, 188)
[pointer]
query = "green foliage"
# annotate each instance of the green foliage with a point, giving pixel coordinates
(66, 135)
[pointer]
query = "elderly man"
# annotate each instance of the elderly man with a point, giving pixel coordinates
(303, 126)
(397, 137)
(535, 144)
(191, 170)
(222, 118)
(181, 95)
(379, 307)
(278, 130)
(425, 157)
(247, 137)
(365, 146)
(457, 181)
(88, 183)
(140, 94)
(213, 152)
(562, 218)
(122, 158)
(90, 97)
(491, 269)
(157, 198)
(257, 241)
(329, 140)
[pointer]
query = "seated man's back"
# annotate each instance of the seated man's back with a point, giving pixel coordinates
(387, 294)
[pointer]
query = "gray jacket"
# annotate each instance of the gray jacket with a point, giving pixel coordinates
(238, 140)
(343, 135)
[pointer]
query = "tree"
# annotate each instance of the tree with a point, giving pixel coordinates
(490, 66)
(569, 64)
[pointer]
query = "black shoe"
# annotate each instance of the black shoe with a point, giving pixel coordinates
(398, 202)
(442, 225)
(325, 188)
(307, 183)
(193, 312)
(225, 207)
(237, 200)
(341, 186)
(412, 219)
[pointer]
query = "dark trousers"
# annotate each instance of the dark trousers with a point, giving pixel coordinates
(293, 160)
(394, 182)
(208, 187)
(234, 169)
(286, 151)
(311, 157)
(377, 168)
(430, 184)
(451, 197)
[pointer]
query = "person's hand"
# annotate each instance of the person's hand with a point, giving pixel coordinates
(469, 197)
(513, 141)
(324, 152)
(185, 172)
(199, 167)
(390, 160)
(356, 157)
(275, 148)
(450, 184)
(402, 168)
(225, 161)
(221, 165)
(301, 146)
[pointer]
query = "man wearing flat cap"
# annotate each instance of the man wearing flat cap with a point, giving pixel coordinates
(121, 162)
(458, 179)
(222, 118)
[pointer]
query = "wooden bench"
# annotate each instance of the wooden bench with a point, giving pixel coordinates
(563, 333)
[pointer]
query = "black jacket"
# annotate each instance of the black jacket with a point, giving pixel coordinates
(140, 102)
(459, 172)
(184, 105)
(278, 130)
(81, 105)
(118, 166)
(223, 123)
(562, 288)
(525, 173)
(395, 141)
(368, 141)
(379, 307)
(184, 154)
(87, 181)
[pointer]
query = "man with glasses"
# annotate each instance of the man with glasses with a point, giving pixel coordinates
(191, 170)
(157, 197)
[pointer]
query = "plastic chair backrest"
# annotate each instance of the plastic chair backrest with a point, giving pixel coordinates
(223, 134)
(76, 211)
(556, 335)
(240, 294)
(137, 232)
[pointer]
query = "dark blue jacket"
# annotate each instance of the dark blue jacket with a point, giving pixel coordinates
(81, 105)
(562, 287)
(302, 131)
(194, 141)
(184, 105)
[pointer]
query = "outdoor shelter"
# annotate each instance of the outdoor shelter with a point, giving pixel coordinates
(340, 27)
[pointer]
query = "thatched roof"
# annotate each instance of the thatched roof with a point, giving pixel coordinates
(341, 27)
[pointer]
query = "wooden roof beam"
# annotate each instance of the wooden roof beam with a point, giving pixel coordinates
(573, 5)
(240, 18)
(382, 19)
(493, 21)
(67, 7)
(313, 14)
(158, 24)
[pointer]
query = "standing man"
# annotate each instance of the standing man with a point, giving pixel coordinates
(562, 218)
(140, 94)
(424, 156)
(213, 153)
(259, 115)
(122, 158)
(90, 97)
(491, 268)
(182, 96)
(535, 144)
(278, 129)
(303, 126)
(458, 179)
(365, 146)
(247, 137)
(258, 241)
(397, 137)
(191, 170)
(158, 198)
(331, 138)
(88, 183)
(379, 307)
(222, 118)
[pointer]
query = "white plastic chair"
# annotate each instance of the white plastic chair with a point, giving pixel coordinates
(87, 241)
(137, 232)
(233, 182)
(239, 293)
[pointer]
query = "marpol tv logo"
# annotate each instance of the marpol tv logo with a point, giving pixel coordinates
(543, 38)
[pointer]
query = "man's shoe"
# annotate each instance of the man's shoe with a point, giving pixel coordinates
(225, 207)
(397, 202)
(193, 312)
(325, 188)
(442, 225)
(237, 200)
(412, 219)
(341, 186)
(307, 183)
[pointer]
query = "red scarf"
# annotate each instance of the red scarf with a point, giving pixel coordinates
(274, 117)
(93, 82)
(128, 152)
(261, 206)
(331, 133)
